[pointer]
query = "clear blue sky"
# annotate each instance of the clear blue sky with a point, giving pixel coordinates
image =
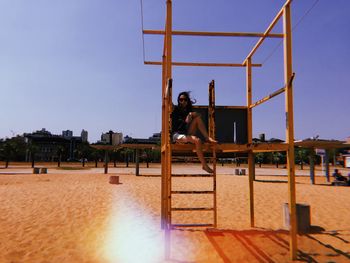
(78, 64)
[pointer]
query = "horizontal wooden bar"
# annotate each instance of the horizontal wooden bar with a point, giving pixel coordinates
(192, 225)
(270, 27)
(189, 147)
(213, 34)
(219, 107)
(269, 147)
(192, 209)
(192, 175)
(200, 64)
(192, 192)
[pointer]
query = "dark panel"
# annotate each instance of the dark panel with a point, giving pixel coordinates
(231, 125)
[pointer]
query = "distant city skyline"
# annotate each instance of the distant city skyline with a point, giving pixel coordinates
(79, 65)
(119, 136)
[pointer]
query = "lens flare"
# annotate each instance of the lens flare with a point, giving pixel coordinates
(133, 235)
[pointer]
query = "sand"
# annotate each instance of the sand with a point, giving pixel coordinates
(77, 216)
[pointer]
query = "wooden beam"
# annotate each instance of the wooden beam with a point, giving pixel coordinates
(288, 71)
(211, 110)
(166, 164)
(250, 139)
(269, 147)
(201, 64)
(213, 34)
(270, 27)
(162, 156)
(219, 107)
(274, 94)
(249, 98)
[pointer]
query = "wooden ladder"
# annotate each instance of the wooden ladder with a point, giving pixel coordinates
(212, 191)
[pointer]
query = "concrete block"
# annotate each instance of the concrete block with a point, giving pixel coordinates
(303, 217)
(114, 179)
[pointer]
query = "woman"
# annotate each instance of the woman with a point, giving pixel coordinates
(185, 124)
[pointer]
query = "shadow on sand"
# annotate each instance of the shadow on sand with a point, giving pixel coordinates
(273, 246)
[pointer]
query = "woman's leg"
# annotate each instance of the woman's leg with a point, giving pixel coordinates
(197, 124)
(197, 142)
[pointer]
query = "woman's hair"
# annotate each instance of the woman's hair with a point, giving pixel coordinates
(190, 101)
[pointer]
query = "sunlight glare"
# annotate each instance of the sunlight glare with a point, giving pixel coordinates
(132, 235)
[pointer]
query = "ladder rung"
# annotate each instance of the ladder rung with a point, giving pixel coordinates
(192, 225)
(192, 175)
(192, 209)
(192, 192)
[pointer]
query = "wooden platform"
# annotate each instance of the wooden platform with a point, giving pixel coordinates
(232, 147)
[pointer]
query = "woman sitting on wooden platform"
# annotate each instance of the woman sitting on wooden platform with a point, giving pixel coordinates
(186, 123)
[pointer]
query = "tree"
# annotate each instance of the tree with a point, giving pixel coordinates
(96, 155)
(84, 151)
(13, 149)
(115, 155)
(126, 152)
(259, 158)
(33, 150)
(59, 151)
(277, 158)
(6, 152)
(301, 156)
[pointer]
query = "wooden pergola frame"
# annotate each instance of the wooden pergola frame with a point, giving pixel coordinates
(288, 146)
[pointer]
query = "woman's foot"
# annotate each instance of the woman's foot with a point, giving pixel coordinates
(211, 140)
(207, 169)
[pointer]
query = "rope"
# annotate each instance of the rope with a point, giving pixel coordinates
(143, 37)
(293, 28)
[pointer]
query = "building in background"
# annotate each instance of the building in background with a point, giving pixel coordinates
(67, 134)
(47, 146)
(84, 136)
(112, 138)
(154, 139)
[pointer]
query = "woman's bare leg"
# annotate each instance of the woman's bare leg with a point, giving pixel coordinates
(197, 142)
(197, 124)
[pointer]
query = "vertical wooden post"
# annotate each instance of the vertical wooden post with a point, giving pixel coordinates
(137, 169)
(211, 110)
(167, 102)
(251, 167)
(287, 30)
(214, 187)
(106, 162)
(211, 133)
(312, 165)
(326, 163)
(163, 185)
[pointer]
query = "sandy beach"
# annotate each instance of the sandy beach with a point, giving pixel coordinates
(77, 216)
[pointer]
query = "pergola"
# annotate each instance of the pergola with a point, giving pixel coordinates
(326, 145)
(135, 146)
(166, 145)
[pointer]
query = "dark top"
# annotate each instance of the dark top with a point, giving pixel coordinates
(339, 177)
(178, 117)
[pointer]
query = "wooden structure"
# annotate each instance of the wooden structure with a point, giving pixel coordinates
(326, 145)
(167, 147)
